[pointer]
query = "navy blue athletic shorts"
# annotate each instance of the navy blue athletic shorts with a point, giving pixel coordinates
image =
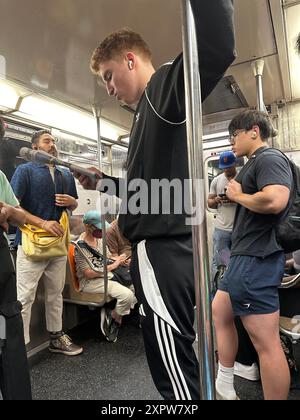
(252, 283)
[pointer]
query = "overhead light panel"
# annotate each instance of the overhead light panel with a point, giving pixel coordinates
(51, 113)
(57, 115)
(8, 96)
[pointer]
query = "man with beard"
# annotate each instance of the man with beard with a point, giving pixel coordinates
(44, 192)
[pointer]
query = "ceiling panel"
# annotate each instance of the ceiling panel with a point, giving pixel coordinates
(254, 30)
(272, 83)
(47, 44)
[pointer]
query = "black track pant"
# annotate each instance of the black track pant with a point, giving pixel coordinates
(162, 272)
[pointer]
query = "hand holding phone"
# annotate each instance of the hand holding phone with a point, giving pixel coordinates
(224, 198)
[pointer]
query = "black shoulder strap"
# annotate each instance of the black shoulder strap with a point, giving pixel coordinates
(64, 185)
(255, 158)
(244, 170)
(291, 164)
(273, 149)
(63, 181)
(94, 252)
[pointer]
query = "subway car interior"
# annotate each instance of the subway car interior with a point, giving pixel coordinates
(46, 83)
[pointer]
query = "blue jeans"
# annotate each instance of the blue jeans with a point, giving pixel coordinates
(221, 242)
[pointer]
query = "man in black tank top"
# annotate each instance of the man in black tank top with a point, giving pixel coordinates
(157, 227)
(249, 288)
(14, 374)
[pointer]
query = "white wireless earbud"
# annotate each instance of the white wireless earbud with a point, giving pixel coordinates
(130, 64)
(254, 135)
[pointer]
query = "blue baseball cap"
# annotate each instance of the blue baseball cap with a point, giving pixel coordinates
(93, 217)
(227, 160)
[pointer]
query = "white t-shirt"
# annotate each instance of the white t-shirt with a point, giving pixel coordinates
(226, 212)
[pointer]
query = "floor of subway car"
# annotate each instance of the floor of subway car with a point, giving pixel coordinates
(247, 390)
(104, 371)
(108, 371)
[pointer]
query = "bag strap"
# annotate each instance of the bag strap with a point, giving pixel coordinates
(95, 262)
(1, 232)
(64, 182)
(65, 190)
(273, 149)
(254, 158)
(94, 252)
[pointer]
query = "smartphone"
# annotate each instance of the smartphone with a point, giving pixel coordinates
(222, 195)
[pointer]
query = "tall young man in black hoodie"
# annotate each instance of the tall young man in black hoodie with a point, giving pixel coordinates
(162, 259)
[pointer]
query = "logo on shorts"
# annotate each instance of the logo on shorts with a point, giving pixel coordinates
(247, 305)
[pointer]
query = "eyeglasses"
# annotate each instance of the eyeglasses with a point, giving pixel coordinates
(233, 136)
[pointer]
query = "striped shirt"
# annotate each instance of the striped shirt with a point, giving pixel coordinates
(82, 264)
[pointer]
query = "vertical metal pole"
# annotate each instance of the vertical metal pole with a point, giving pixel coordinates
(110, 160)
(97, 114)
(200, 249)
(258, 69)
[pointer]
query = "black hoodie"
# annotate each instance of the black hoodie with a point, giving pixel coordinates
(158, 140)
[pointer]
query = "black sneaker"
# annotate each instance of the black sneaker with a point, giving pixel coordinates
(62, 343)
(109, 327)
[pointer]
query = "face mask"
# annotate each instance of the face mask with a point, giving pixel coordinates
(97, 233)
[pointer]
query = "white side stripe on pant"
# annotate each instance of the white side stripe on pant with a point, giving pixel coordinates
(162, 352)
(169, 357)
(151, 288)
(171, 338)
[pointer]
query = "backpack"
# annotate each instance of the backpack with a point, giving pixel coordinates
(288, 230)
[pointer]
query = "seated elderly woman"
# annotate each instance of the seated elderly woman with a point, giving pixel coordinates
(92, 281)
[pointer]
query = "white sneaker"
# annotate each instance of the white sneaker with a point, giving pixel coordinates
(247, 372)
